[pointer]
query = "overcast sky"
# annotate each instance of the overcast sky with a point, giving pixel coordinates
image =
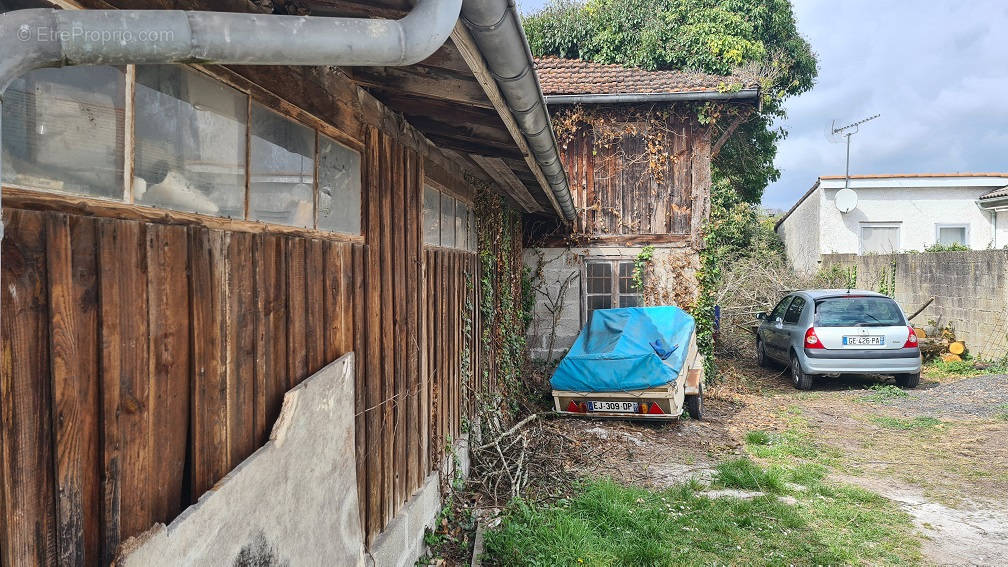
(937, 72)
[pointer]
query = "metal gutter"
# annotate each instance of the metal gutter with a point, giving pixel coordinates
(496, 28)
(36, 38)
(744, 94)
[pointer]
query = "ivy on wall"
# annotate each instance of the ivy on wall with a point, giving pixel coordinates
(505, 301)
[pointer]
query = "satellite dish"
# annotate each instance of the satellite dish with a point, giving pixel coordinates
(845, 200)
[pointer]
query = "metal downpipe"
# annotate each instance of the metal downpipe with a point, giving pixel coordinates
(496, 29)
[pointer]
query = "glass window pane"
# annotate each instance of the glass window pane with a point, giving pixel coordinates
(948, 235)
(461, 212)
(63, 130)
(598, 302)
(794, 311)
(339, 181)
(626, 283)
(629, 301)
(879, 239)
(599, 277)
(447, 221)
(473, 235)
(282, 169)
(431, 216)
(190, 142)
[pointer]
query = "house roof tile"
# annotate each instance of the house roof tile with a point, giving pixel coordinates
(996, 194)
(574, 76)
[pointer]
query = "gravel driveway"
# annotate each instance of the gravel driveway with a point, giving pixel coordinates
(981, 396)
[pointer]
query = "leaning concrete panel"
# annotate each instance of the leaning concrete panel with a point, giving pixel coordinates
(293, 502)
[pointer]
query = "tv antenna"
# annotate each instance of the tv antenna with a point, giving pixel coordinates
(848, 131)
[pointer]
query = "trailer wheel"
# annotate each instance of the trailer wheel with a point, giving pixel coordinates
(694, 405)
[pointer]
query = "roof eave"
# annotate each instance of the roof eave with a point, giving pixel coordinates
(676, 96)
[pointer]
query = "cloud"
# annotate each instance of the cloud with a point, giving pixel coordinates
(934, 70)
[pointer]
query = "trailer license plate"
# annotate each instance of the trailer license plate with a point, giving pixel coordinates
(621, 407)
(864, 340)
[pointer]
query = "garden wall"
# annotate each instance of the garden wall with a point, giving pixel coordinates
(970, 291)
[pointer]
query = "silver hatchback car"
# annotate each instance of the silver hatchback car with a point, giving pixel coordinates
(836, 331)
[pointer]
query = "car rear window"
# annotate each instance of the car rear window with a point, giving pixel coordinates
(858, 312)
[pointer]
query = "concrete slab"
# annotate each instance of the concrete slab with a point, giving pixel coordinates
(293, 502)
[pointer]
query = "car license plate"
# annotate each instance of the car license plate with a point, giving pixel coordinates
(620, 407)
(874, 340)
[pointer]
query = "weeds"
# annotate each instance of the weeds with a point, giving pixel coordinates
(1002, 412)
(916, 423)
(882, 393)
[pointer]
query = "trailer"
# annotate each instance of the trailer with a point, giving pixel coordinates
(618, 370)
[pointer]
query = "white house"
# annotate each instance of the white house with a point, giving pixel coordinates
(896, 213)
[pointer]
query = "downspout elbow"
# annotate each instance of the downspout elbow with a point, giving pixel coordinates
(22, 52)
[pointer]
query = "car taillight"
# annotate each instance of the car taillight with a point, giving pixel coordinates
(911, 341)
(577, 407)
(651, 408)
(811, 340)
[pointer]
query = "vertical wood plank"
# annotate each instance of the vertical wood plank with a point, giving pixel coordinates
(73, 344)
(126, 387)
(29, 507)
(241, 335)
(332, 300)
(398, 266)
(413, 221)
(359, 337)
(271, 330)
(208, 301)
(315, 305)
(352, 277)
(168, 313)
(388, 356)
(297, 355)
(374, 432)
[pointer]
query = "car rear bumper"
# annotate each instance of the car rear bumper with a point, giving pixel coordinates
(861, 361)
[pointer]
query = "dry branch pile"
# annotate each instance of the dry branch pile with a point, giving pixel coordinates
(530, 459)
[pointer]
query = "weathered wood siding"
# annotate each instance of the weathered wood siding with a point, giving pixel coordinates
(145, 355)
(625, 187)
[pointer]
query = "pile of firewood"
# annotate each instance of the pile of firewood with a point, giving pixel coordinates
(940, 342)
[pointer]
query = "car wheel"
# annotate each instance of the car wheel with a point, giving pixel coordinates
(694, 405)
(799, 378)
(761, 356)
(909, 381)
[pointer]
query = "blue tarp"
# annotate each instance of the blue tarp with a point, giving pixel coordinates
(622, 349)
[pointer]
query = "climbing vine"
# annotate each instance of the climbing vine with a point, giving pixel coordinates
(641, 263)
(505, 301)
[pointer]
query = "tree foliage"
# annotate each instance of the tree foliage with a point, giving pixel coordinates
(760, 37)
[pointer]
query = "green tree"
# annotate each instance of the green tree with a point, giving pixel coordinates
(757, 39)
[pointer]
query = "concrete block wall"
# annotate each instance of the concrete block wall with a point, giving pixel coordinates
(970, 290)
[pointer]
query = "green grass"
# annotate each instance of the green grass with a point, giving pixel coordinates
(608, 524)
(882, 393)
(965, 368)
(915, 423)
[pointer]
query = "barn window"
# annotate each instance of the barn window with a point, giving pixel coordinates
(461, 225)
(447, 221)
(63, 130)
(281, 170)
(609, 284)
(190, 142)
(431, 216)
(339, 185)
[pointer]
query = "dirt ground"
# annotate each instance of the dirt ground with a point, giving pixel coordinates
(940, 451)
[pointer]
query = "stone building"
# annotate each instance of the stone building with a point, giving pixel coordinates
(637, 147)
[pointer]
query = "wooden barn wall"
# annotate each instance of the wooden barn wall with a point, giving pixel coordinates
(145, 355)
(617, 192)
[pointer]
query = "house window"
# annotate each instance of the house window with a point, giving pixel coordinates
(880, 238)
(190, 142)
(63, 130)
(609, 284)
(949, 234)
(339, 187)
(282, 170)
(447, 221)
